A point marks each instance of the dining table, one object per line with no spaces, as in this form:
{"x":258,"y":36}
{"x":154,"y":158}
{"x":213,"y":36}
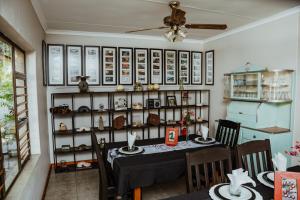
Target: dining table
{"x":137,"y":171}
{"x":266,"y":192}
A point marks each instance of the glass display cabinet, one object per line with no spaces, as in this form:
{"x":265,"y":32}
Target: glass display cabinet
{"x":273,"y":86}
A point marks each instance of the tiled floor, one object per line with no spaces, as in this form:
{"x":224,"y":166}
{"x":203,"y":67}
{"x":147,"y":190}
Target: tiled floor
{"x":83,"y":185}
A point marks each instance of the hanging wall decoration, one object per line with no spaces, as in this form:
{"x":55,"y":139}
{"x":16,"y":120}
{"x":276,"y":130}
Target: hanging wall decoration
{"x":74,"y":64}
{"x":56,"y":72}
{"x":44,"y":62}
{"x":209,"y":67}
{"x":125,"y":66}
{"x":92,"y":64}
{"x":109,"y":65}
{"x":141,"y":65}
{"x":170,"y":67}
{"x":196,"y":68}
{"x":156,"y":70}
{"x":184,"y":66}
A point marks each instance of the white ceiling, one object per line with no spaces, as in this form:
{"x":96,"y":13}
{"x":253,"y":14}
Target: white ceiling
{"x":119,"y":16}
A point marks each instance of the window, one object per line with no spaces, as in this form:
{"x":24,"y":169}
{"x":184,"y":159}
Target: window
{"x":14,"y":127}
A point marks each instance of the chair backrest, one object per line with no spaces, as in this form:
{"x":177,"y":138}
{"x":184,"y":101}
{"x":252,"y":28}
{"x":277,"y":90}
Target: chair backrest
{"x":228,"y":133}
{"x":255,"y":156}
{"x":204,"y":166}
{"x":102,"y":171}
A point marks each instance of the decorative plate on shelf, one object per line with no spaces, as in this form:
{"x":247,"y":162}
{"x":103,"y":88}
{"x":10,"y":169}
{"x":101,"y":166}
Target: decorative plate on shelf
{"x":208,"y":140}
{"x":136,"y":150}
{"x":266,"y":178}
{"x":221,"y":192}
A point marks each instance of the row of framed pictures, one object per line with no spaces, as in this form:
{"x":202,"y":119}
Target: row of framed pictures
{"x":124,"y":65}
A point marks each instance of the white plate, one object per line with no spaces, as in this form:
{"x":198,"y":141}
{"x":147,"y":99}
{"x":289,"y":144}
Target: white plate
{"x":207,"y":141}
{"x":137,"y":151}
{"x":224,"y":191}
{"x":263,"y":181}
{"x":271,"y":176}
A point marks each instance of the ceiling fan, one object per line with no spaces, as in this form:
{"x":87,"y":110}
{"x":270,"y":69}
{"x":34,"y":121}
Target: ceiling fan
{"x":176,"y":21}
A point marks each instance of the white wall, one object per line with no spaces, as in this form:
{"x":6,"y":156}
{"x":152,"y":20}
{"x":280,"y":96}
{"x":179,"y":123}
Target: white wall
{"x":274,"y":45}
{"x":20,"y":23}
{"x":81,"y":38}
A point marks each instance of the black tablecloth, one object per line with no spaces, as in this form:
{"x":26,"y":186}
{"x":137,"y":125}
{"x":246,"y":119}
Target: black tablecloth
{"x":266,"y":192}
{"x":146,"y":170}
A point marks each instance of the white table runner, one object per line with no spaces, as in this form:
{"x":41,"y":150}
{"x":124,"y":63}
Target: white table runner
{"x":157,"y":148}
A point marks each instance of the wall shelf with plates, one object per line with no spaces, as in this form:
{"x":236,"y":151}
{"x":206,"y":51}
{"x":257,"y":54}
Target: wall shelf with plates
{"x":270,"y":86}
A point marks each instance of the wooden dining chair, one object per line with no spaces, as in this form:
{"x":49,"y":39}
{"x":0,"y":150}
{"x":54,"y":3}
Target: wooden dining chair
{"x":228,"y":133}
{"x":255,"y":156}
{"x":202,"y":167}
{"x":106,"y":191}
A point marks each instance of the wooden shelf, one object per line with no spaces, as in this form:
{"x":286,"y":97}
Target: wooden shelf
{"x":197,"y":104}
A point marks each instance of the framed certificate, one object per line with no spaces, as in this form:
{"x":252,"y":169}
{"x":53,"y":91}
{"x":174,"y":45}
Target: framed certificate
{"x":44,"y":63}
{"x":56,"y":72}
{"x":74,"y":64}
{"x":170,"y":66}
{"x":92,"y":64}
{"x":209,"y":67}
{"x":109,"y":66}
{"x":184,"y":66}
{"x":141,"y":65}
{"x":156,"y":69}
{"x":196,"y":60}
{"x":125,"y":66}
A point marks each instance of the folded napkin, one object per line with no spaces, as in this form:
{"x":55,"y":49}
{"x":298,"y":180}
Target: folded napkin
{"x":280,"y":162}
{"x":237,"y":178}
{"x":204,"y":131}
{"x":131,"y":139}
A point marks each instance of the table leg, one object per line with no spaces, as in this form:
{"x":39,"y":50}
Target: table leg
{"x":137,"y":194}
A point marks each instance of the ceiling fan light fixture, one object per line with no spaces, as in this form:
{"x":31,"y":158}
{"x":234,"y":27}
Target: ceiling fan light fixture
{"x":170,"y":35}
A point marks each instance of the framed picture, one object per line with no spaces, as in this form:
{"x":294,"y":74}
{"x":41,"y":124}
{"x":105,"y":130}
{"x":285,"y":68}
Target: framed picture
{"x":209,"y":67}
{"x":196,"y":61}
{"x":109,"y":66}
{"x":171,"y":101}
{"x":141,"y":65}
{"x":287,"y":185}
{"x":156,"y":69}
{"x":92,"y":64}
{"x":171,"y":136}
{"x":170,"y":65}
{"x":44,"y":62}
{"x":184,"y":66}
{"x":125,"y":66}
{"x":56,"y":65}
{"x":74,"y":64}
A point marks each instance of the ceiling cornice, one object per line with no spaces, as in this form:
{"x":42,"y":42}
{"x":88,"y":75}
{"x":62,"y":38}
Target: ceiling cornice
{"x":40,"y":13}
{"x":272,"y":18}
{"x":114,"y":35}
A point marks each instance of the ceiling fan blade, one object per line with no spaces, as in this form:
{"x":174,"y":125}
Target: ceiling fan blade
{"x":147,"y":29}
{"x":206,"y":26}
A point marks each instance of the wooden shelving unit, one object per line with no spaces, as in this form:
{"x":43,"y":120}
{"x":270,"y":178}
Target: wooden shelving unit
{"x":198,"y":101}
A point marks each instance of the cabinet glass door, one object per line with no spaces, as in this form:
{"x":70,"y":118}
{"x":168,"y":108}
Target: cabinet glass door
{"x":245,"y":86}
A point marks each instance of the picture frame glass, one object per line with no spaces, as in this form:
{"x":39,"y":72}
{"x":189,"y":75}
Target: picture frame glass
{"x":209,"y":68}
{"x":56,"y":64}
{"x":141,"y":66}
{"x":184,"y":66}
{"x":74,"y":64}
{"x":109,"y":66}
{"x":170,"y":67}
{"x":197,"y":68}
{"x":156,"y":66}
{"x":92,"y":65}
{"x":125,"y":66}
